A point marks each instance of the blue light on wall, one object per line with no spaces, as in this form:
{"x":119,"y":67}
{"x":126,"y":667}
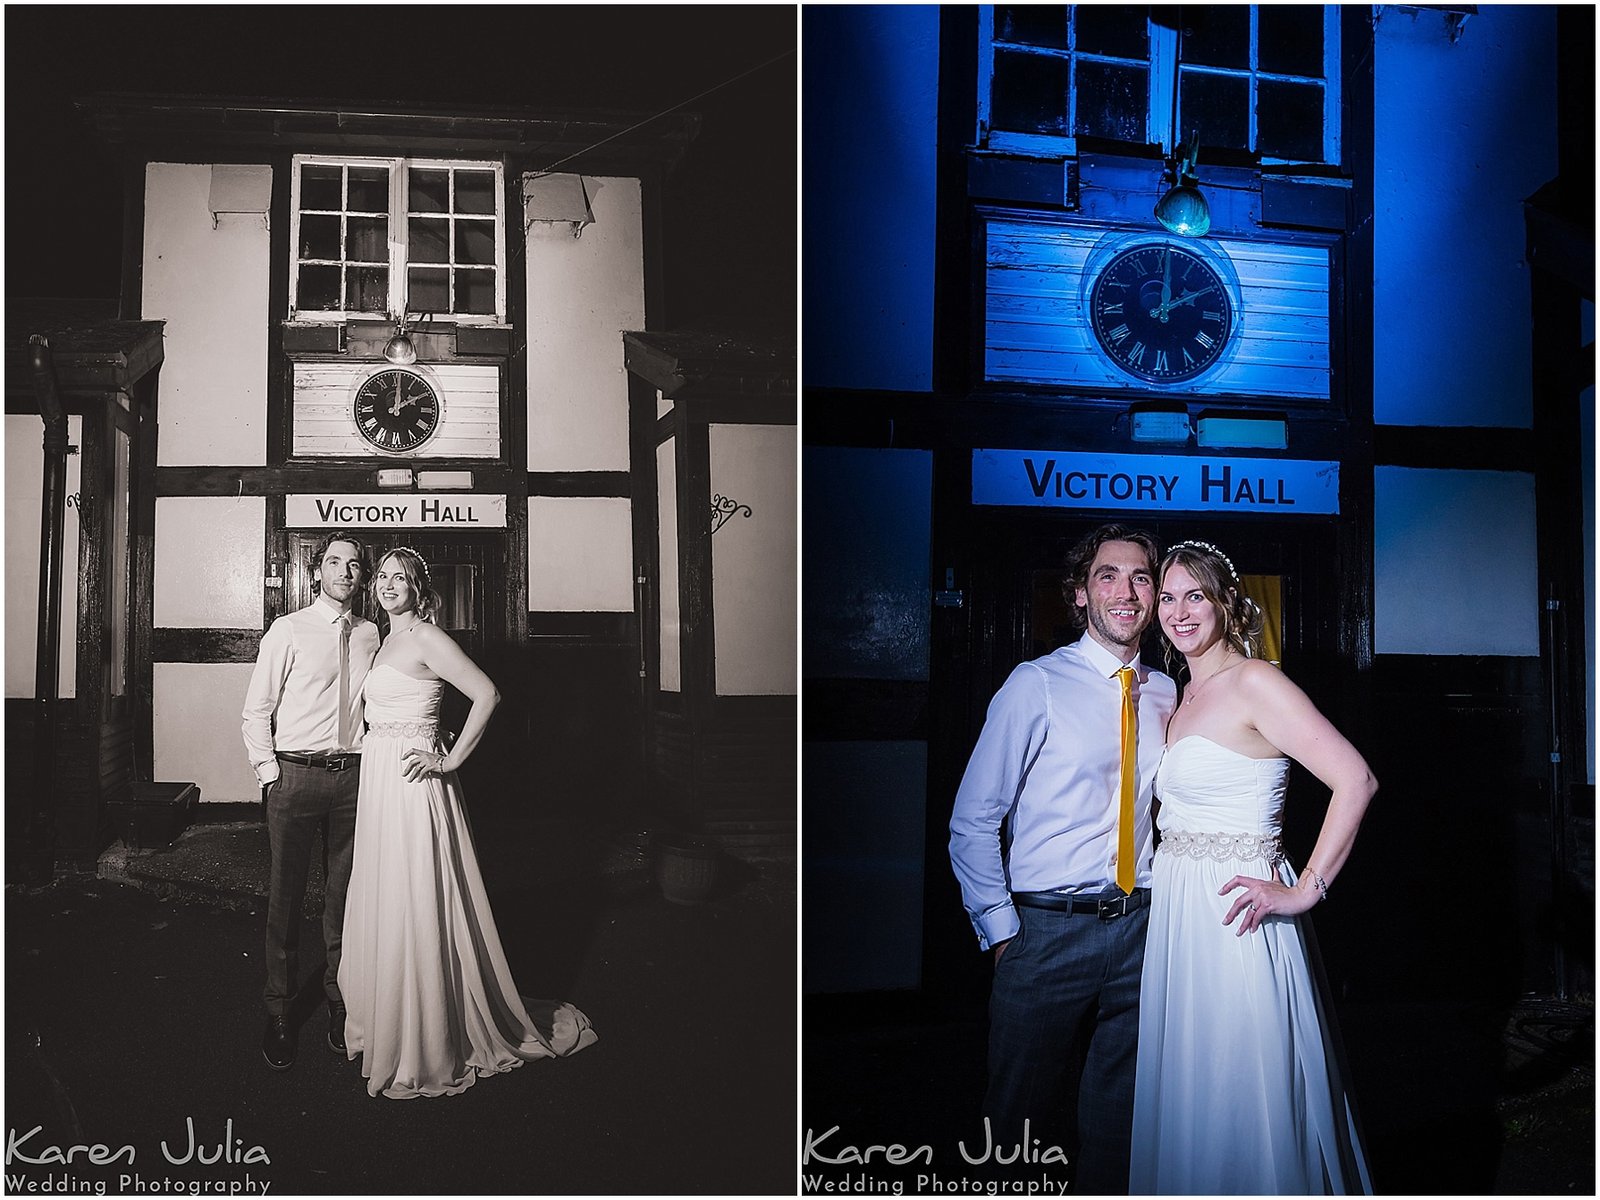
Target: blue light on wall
{"x":871,"y":101}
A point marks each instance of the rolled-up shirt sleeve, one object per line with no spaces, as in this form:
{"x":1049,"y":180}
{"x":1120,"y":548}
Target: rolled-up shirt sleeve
{"x":1013,"y":734}
{"x":261,"y":699}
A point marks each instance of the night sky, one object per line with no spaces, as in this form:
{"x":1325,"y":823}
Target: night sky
{"x":730,"y":204}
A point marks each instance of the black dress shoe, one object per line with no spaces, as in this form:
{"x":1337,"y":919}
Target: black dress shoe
{"x":277,"y":1044}
{"x":336,"y":1027}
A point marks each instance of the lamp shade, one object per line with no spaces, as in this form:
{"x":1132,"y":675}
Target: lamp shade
{"x":1183,"y":210}
{"x":399,"y":350}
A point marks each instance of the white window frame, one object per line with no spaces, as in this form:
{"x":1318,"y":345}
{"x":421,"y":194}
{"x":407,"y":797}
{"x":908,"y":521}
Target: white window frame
{"x":1163,"y":52}
{"x":399,"y":237}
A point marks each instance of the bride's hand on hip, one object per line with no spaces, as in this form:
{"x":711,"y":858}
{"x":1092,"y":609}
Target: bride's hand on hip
{"x":418,"y":765}
{"x":1263,"y":898}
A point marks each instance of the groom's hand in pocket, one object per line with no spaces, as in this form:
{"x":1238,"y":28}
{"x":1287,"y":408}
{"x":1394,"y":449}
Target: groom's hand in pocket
{"x":999,"y":950}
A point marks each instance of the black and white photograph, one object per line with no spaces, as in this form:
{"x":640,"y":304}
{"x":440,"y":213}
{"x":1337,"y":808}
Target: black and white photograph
{"x":401,"y":599}
{"x":1198,"y":599}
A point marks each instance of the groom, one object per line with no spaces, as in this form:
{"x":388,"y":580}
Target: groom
{"x":303,"y":719}
{"x":1061,"y":898}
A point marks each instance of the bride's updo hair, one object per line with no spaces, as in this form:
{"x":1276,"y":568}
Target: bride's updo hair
{"x":415,"y":568}
{"x":1242,"y":620}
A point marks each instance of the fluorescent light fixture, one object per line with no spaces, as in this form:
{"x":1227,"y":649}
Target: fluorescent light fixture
{"x":445,"y":479}
{"x":394,"y":477}
{"x":1248,"y":432}
{"x":1161,"y":427}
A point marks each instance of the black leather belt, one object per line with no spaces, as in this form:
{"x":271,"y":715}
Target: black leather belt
{"x":1104,"y":907}
{"x":323,"y":762}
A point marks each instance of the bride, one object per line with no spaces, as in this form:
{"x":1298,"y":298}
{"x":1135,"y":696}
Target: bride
{"x":431,"y":1002}
{"x":1237,"y":1087}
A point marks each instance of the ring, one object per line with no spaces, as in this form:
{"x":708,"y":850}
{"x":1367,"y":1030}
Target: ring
{"x":1253,"y":907}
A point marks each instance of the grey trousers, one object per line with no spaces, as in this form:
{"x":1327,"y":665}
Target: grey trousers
{"x":303,"y":800}
{"x":1064,"y":1010}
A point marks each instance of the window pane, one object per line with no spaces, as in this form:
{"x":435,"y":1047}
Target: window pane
{"x":430,"y":239}
{"x":1217,"y":36}
{"x":319,"y":289}
{"x":368,"y":239}
{"x":369,"y":189}
{"x":1030,"y":93}
{"x":1032,"y":25}
{"x":1112,"y":100}
{"x":1120,"y":30}
{"x":1217,"y":108}
{"x":474,"y":291}
{"x":1289,"y":120}
{"x":1291,"y":39}
{"x":369,"y":289}
{"x":430,"y":290}
{"x":475,"y":243}
{"x":319,"y":187}
{"x":319,"y":237}
{"x":430,"y":190}
{"x":475,"y":192}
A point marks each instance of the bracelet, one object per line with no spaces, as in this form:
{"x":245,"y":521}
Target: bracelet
{"x":1321,"y":884}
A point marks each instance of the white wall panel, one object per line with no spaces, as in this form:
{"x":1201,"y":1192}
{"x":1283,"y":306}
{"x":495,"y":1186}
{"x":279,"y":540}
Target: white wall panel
{"x":24,"y":500}
{"x":209,"y":562}
{"x":197,"y":711}
{"x":583,"y":293}
{"x":1455,"y":562}
{"x":580,"y":554}
{"x":671,"y":643}
{"x":209,"y":283}
{"x":754,"y":560}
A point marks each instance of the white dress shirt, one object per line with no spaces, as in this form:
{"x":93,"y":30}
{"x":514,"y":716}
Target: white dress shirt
{"x":296,"y":680}
{"x":1050,"y":759}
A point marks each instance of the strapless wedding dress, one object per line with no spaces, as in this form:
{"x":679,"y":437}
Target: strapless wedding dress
{"x":431,"y":1002}
{"x":1237,"y":1089}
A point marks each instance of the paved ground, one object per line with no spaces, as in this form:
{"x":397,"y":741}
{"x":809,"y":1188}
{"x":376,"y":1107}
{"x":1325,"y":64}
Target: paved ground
{"x":1454,"y":1098}
{"x":131,"y":1015}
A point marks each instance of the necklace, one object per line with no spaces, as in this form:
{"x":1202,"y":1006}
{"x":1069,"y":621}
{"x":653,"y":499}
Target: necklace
{"x":1195,"y":686}
{"x":395,"y":632}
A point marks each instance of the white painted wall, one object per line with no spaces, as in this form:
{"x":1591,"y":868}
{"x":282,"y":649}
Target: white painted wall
{"x":209,"y":562}
{"x":583,"y":293}
{"x":754,"y":561}
{"x":24,"y":500}
{"x":210,"y":286}
{"x":197,"y":709}
{"x":580,"y":554}
{"x":671,"y":662}
{"x":1455,"y":562}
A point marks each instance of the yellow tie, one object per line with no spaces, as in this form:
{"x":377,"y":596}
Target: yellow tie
{"x":1130,"y":778}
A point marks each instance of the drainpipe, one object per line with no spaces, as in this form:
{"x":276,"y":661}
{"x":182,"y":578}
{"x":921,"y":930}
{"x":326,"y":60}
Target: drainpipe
{"x":51,"y":535}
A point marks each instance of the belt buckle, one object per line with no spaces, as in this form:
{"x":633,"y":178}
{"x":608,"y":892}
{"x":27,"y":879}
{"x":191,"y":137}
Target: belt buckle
{"x":339,"y":763}
{"x":1106,"y":911}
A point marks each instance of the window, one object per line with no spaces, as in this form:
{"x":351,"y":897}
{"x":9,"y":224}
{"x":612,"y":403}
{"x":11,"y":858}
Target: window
{"x":379,"y":237}
{"x":1261,"y":79}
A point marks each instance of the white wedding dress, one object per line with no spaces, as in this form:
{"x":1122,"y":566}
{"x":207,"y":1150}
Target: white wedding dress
{"x":1237,"y":1089}
{"x":431,"y":1004}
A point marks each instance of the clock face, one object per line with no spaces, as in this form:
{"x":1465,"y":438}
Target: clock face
{"x":397,"y":410}
{"x":1161,"y":313}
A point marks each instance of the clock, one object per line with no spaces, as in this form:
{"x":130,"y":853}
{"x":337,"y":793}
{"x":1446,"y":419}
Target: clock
{"x":1161,"y":313}
{"x":396,"y":410}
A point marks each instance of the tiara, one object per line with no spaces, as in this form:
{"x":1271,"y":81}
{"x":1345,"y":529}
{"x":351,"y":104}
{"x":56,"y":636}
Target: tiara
{"x":427,"y":575}
{"x":1207,"y":547}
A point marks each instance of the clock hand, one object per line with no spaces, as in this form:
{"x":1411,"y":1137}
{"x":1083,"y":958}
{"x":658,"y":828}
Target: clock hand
{"x":394,"y":409}
{"x":1166,"y":281}
{"x":1187,"y":298}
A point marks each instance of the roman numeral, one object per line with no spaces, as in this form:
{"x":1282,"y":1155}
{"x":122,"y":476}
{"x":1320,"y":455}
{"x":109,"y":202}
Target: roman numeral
{"x":1161,"y":360}
{"x":1204,"y":339}
{"x":370,"y":422}
{"x":1187,"y":361}
{"x":1136,"y":355}
{"x":1107,"y":309}
{"x":1119,"y":335}
{"x":1208,"y":315}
